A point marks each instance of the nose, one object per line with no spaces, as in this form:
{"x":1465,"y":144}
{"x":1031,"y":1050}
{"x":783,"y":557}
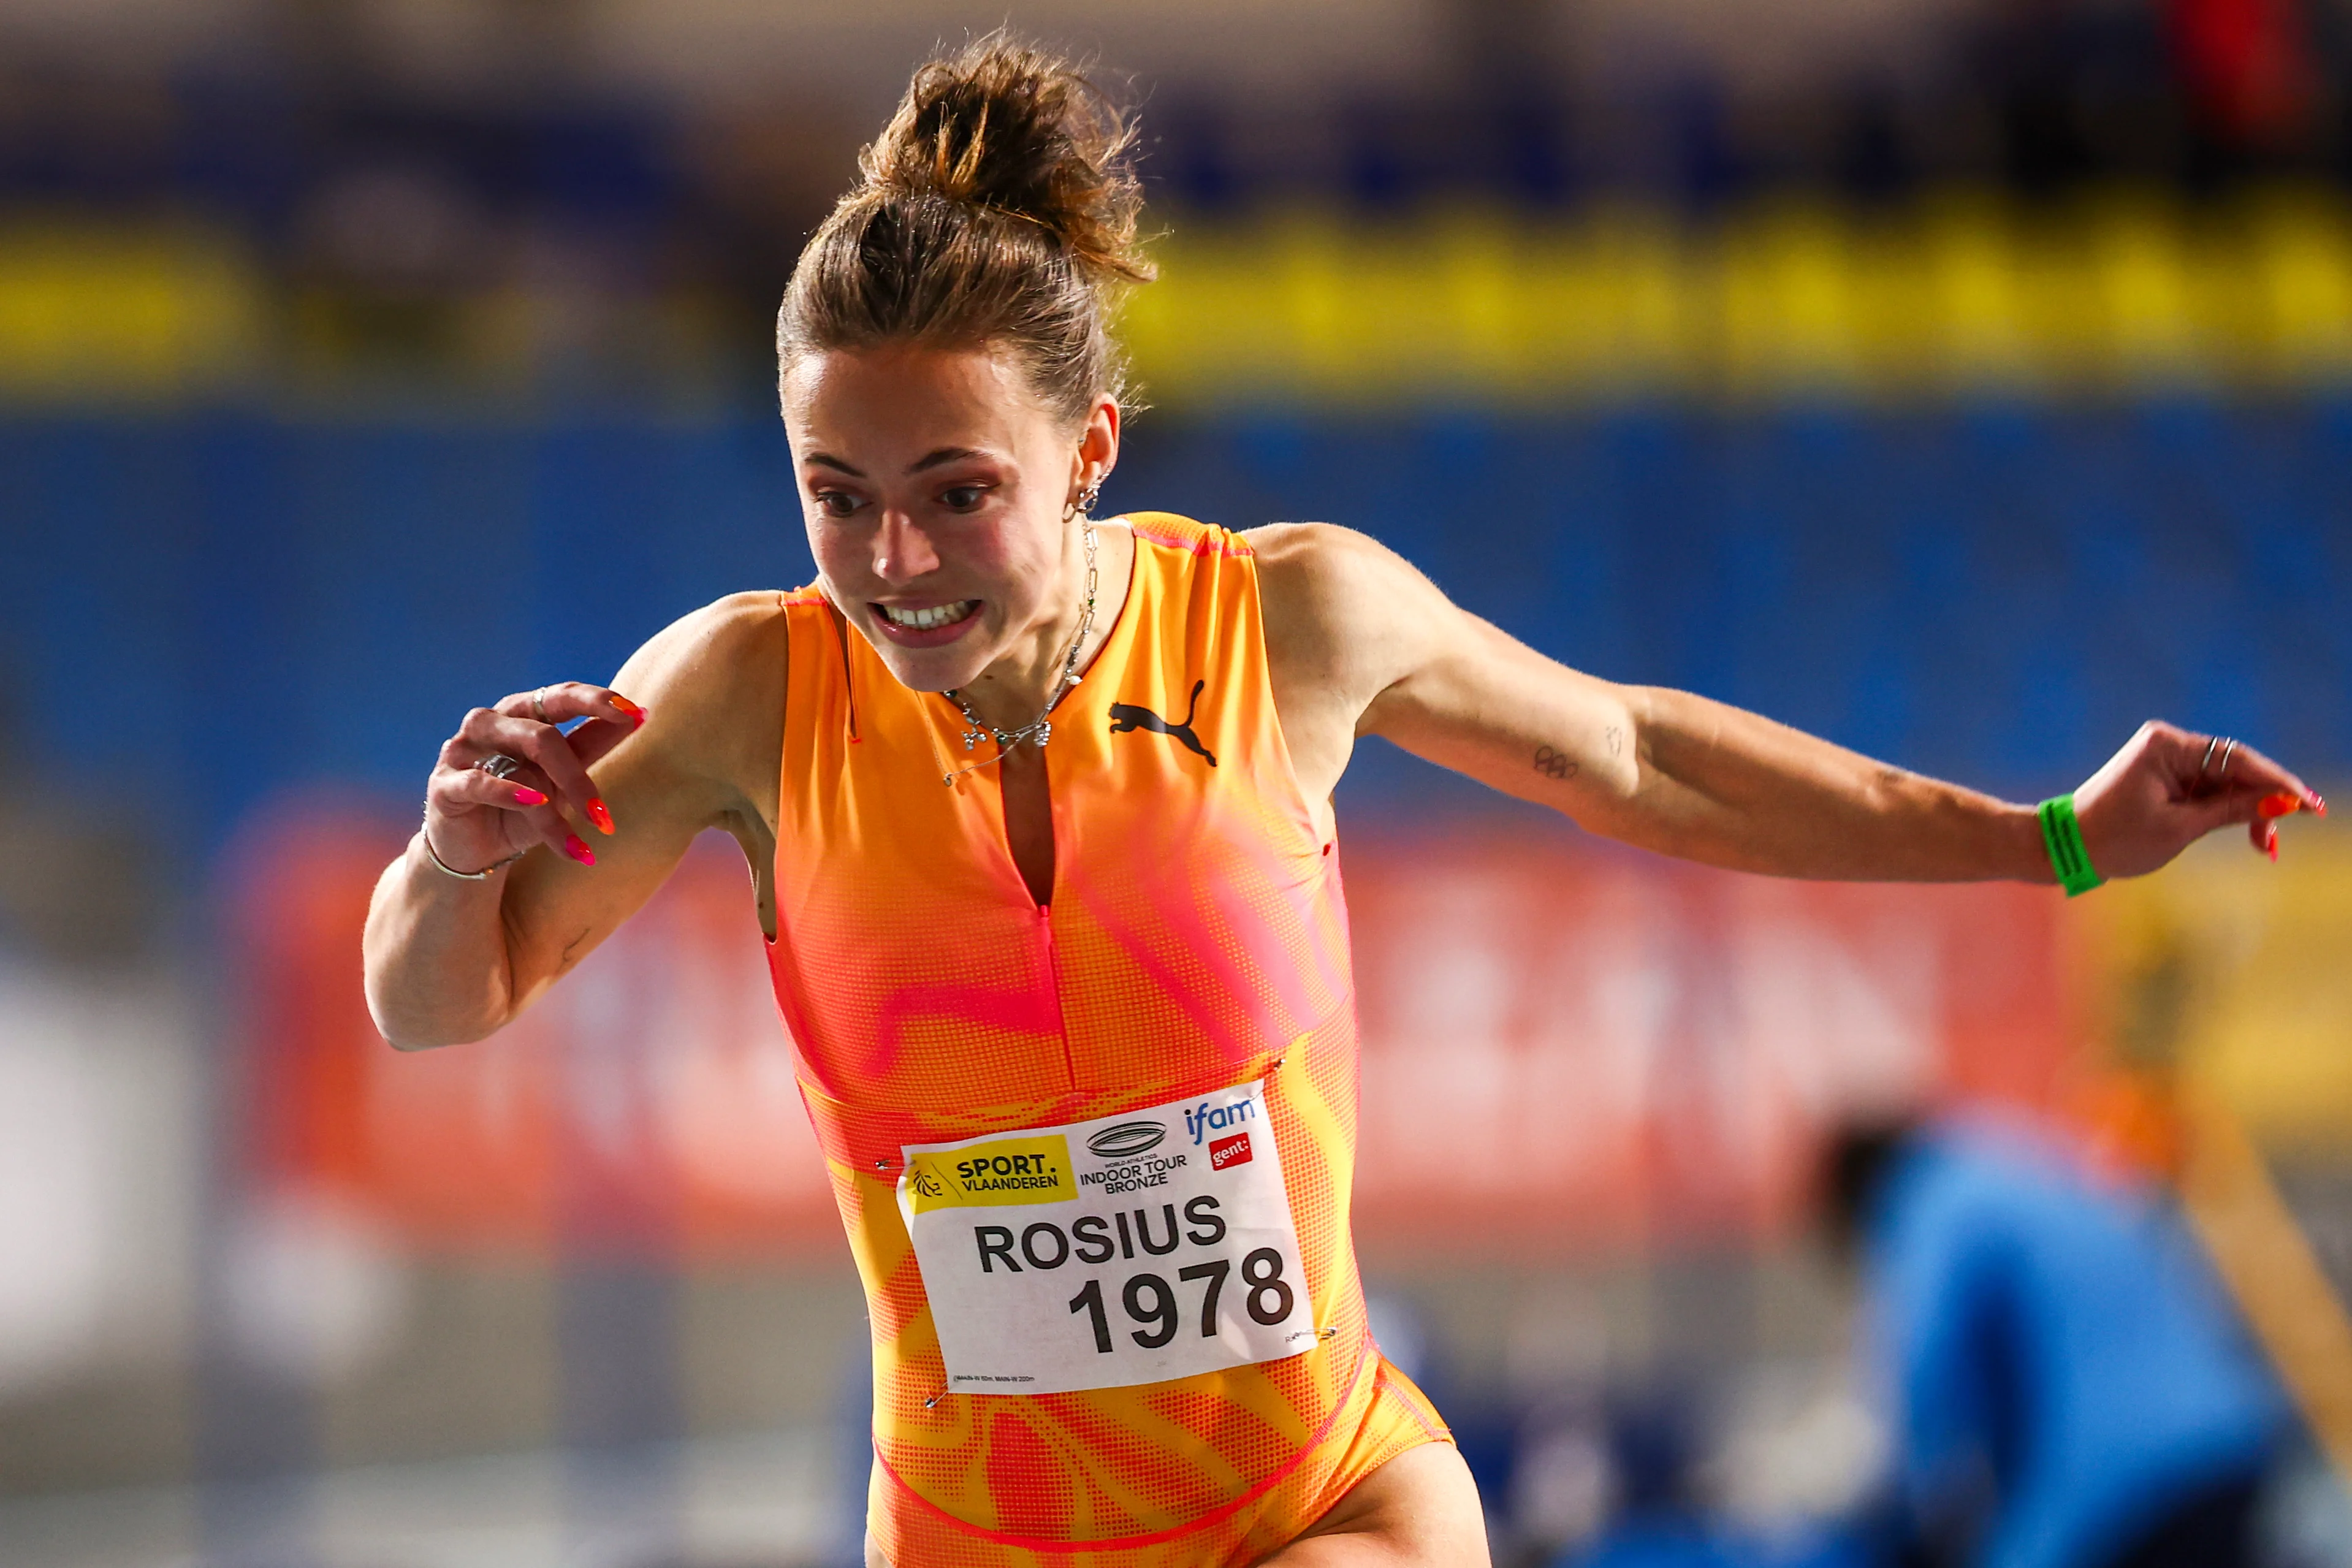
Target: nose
{"x":902,"y":552}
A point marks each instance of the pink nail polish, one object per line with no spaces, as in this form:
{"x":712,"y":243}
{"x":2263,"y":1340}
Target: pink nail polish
{"x":598,"y":814}
{"x":528,"y":796}
{"x":2271,"y":845}
{"x":631,"y":708}
{"x":577,"y":847}
{"x":2318,"y":805}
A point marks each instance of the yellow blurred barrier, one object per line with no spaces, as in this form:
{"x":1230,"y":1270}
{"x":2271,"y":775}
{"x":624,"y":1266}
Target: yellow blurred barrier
{"x":2229,"y":983}
{"x":2263,"y":1258}
{"x":2231,"y":972}
{"x":134,"y":310}
{"x":1962,"y":293}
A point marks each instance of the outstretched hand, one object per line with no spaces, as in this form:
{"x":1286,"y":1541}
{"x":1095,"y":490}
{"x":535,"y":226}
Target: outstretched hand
{"x":2169,"y":787}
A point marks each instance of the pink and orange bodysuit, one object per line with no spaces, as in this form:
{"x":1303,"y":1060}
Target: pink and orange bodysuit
{"x":1093,"y":1156}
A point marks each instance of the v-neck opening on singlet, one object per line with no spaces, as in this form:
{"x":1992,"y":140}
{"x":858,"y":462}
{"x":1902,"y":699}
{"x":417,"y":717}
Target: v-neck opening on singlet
{"x":1121,"y":630}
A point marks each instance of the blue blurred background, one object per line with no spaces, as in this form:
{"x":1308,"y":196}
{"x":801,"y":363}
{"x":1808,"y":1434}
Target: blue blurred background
{"x":1963,"y":380}
{"x":1995,"y":592}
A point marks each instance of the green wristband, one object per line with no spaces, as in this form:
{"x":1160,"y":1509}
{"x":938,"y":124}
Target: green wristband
{"x":2062,"y":837}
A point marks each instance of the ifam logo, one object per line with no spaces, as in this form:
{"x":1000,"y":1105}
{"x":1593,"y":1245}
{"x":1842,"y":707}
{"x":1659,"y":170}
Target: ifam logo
{"x":1205,"y":1118}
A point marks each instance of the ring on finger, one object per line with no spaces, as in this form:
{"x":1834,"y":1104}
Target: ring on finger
{"x":2202,"y":766}
{"x":538,"y":703}
{"x":2227,"y":748}
{"x":499,"y":765}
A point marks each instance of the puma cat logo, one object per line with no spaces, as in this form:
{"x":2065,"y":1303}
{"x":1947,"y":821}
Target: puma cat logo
{"x":1126,"y":715}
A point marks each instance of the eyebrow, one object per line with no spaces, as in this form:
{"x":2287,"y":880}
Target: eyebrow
{"x":928,"y":460}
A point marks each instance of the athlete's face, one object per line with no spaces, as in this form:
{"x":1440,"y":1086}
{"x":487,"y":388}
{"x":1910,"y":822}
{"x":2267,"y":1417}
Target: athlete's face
{"x":937,"y":488}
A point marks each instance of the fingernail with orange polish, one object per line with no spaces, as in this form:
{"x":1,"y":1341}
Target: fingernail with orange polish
{"x":2318,"y":805}
{"x":528,"y":796}
{"x":2271,"y":844}
{"x":600,"y":816}
{"x":2283,"y":803}
{"x":577,"y":847}
{"x":631,"y":708}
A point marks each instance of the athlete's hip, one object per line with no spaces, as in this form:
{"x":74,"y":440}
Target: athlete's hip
{"x":1379,"y":1416}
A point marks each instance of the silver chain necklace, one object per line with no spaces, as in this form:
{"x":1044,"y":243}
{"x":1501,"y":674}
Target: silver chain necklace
{"x":1041,"y":728}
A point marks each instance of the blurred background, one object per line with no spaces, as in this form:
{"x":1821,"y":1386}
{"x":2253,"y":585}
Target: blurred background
{"x":1964,"y":380}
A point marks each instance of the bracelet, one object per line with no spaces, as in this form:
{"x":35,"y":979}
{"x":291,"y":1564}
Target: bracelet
{"x":2062,"y":836}
{"x":481,"y":876}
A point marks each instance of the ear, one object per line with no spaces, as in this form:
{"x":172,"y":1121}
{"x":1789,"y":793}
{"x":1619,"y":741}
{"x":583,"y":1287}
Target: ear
{"x":1098,"y":443}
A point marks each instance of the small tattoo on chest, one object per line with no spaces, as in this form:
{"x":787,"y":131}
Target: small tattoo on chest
{"x":1616,"y":739}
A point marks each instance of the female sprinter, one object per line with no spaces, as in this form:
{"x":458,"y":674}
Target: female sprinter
{"x":1038,"y":807}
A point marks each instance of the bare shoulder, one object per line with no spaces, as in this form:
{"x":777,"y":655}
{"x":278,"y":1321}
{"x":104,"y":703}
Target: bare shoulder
{"x":1316,"y":557}
{"x":1343,"y":609}
{"x":712,"y":683}
{"x":733,"y":638}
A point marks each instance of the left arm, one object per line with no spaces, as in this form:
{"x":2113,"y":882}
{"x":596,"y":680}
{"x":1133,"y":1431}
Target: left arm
{"x":1362,"y":644}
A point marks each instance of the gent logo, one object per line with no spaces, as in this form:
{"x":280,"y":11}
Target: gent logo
{"x":1229,"y":1152}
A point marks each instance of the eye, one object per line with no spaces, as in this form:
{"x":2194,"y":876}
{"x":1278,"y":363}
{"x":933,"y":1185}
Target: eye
{"x":836,"y":503}
{"x":962,"y":497}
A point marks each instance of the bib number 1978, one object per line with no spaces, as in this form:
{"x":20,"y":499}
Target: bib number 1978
{"x":1153,"y":1244}
{"x":1149,"y":1300}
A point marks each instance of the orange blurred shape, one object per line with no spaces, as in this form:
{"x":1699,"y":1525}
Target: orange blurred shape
{"x":1563,"y":1049}
{"x":646,"y":1104}
{"x":2129,"y":1123}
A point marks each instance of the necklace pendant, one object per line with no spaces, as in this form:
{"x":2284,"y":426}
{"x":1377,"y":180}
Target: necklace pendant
{"x":1044,"y":733}
{"x":970,"y":739}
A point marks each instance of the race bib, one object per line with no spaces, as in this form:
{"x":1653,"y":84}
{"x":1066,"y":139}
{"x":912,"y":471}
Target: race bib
{"x":1151,"y":1245}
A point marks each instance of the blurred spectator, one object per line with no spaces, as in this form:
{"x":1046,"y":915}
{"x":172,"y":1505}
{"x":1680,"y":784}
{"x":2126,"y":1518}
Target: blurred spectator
{"x":2073,"y":91}
{"x":2068,"y":1390}
{"x":2246,"y":67}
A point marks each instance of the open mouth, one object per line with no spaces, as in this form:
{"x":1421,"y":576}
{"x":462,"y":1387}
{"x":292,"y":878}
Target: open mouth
{"x":926,"y":624}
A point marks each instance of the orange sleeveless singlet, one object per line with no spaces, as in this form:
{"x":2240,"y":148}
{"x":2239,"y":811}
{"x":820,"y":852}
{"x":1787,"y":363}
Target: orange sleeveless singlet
{"x":1196,"y":940}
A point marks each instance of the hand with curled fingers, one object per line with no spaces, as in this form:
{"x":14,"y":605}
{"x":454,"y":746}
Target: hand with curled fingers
{"x":2169,"y":787}
{"x":512,"y":777}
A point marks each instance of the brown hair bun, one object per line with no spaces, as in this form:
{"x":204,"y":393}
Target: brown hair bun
{"x":1011,"y":128}
{"x":999,"y":205}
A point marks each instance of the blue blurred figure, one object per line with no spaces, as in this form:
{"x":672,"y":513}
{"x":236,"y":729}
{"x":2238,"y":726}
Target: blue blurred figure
{"x":2067,"y":1388}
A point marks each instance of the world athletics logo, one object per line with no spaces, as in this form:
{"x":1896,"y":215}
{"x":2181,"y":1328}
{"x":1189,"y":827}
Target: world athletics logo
{"x":1127,"y":1139}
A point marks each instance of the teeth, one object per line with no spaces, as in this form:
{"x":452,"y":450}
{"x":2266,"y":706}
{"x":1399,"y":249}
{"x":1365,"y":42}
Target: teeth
{"x":924,"y":620}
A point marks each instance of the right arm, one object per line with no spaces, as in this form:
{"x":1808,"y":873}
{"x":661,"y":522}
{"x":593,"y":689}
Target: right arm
{"x":449,"y":959}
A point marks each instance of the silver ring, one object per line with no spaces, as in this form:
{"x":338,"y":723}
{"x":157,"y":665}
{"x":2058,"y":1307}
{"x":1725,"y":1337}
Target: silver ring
{"x":538,"y":703}
{"x":2227,"y":748}
{"x":499,"y":765}
{"x":2206,"y":761}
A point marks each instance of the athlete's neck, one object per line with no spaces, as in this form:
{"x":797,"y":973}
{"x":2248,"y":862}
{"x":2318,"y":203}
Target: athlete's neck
{"x":1015,"y":688}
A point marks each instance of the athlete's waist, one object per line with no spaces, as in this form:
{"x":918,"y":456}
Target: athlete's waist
{"x":870,"y":1130}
